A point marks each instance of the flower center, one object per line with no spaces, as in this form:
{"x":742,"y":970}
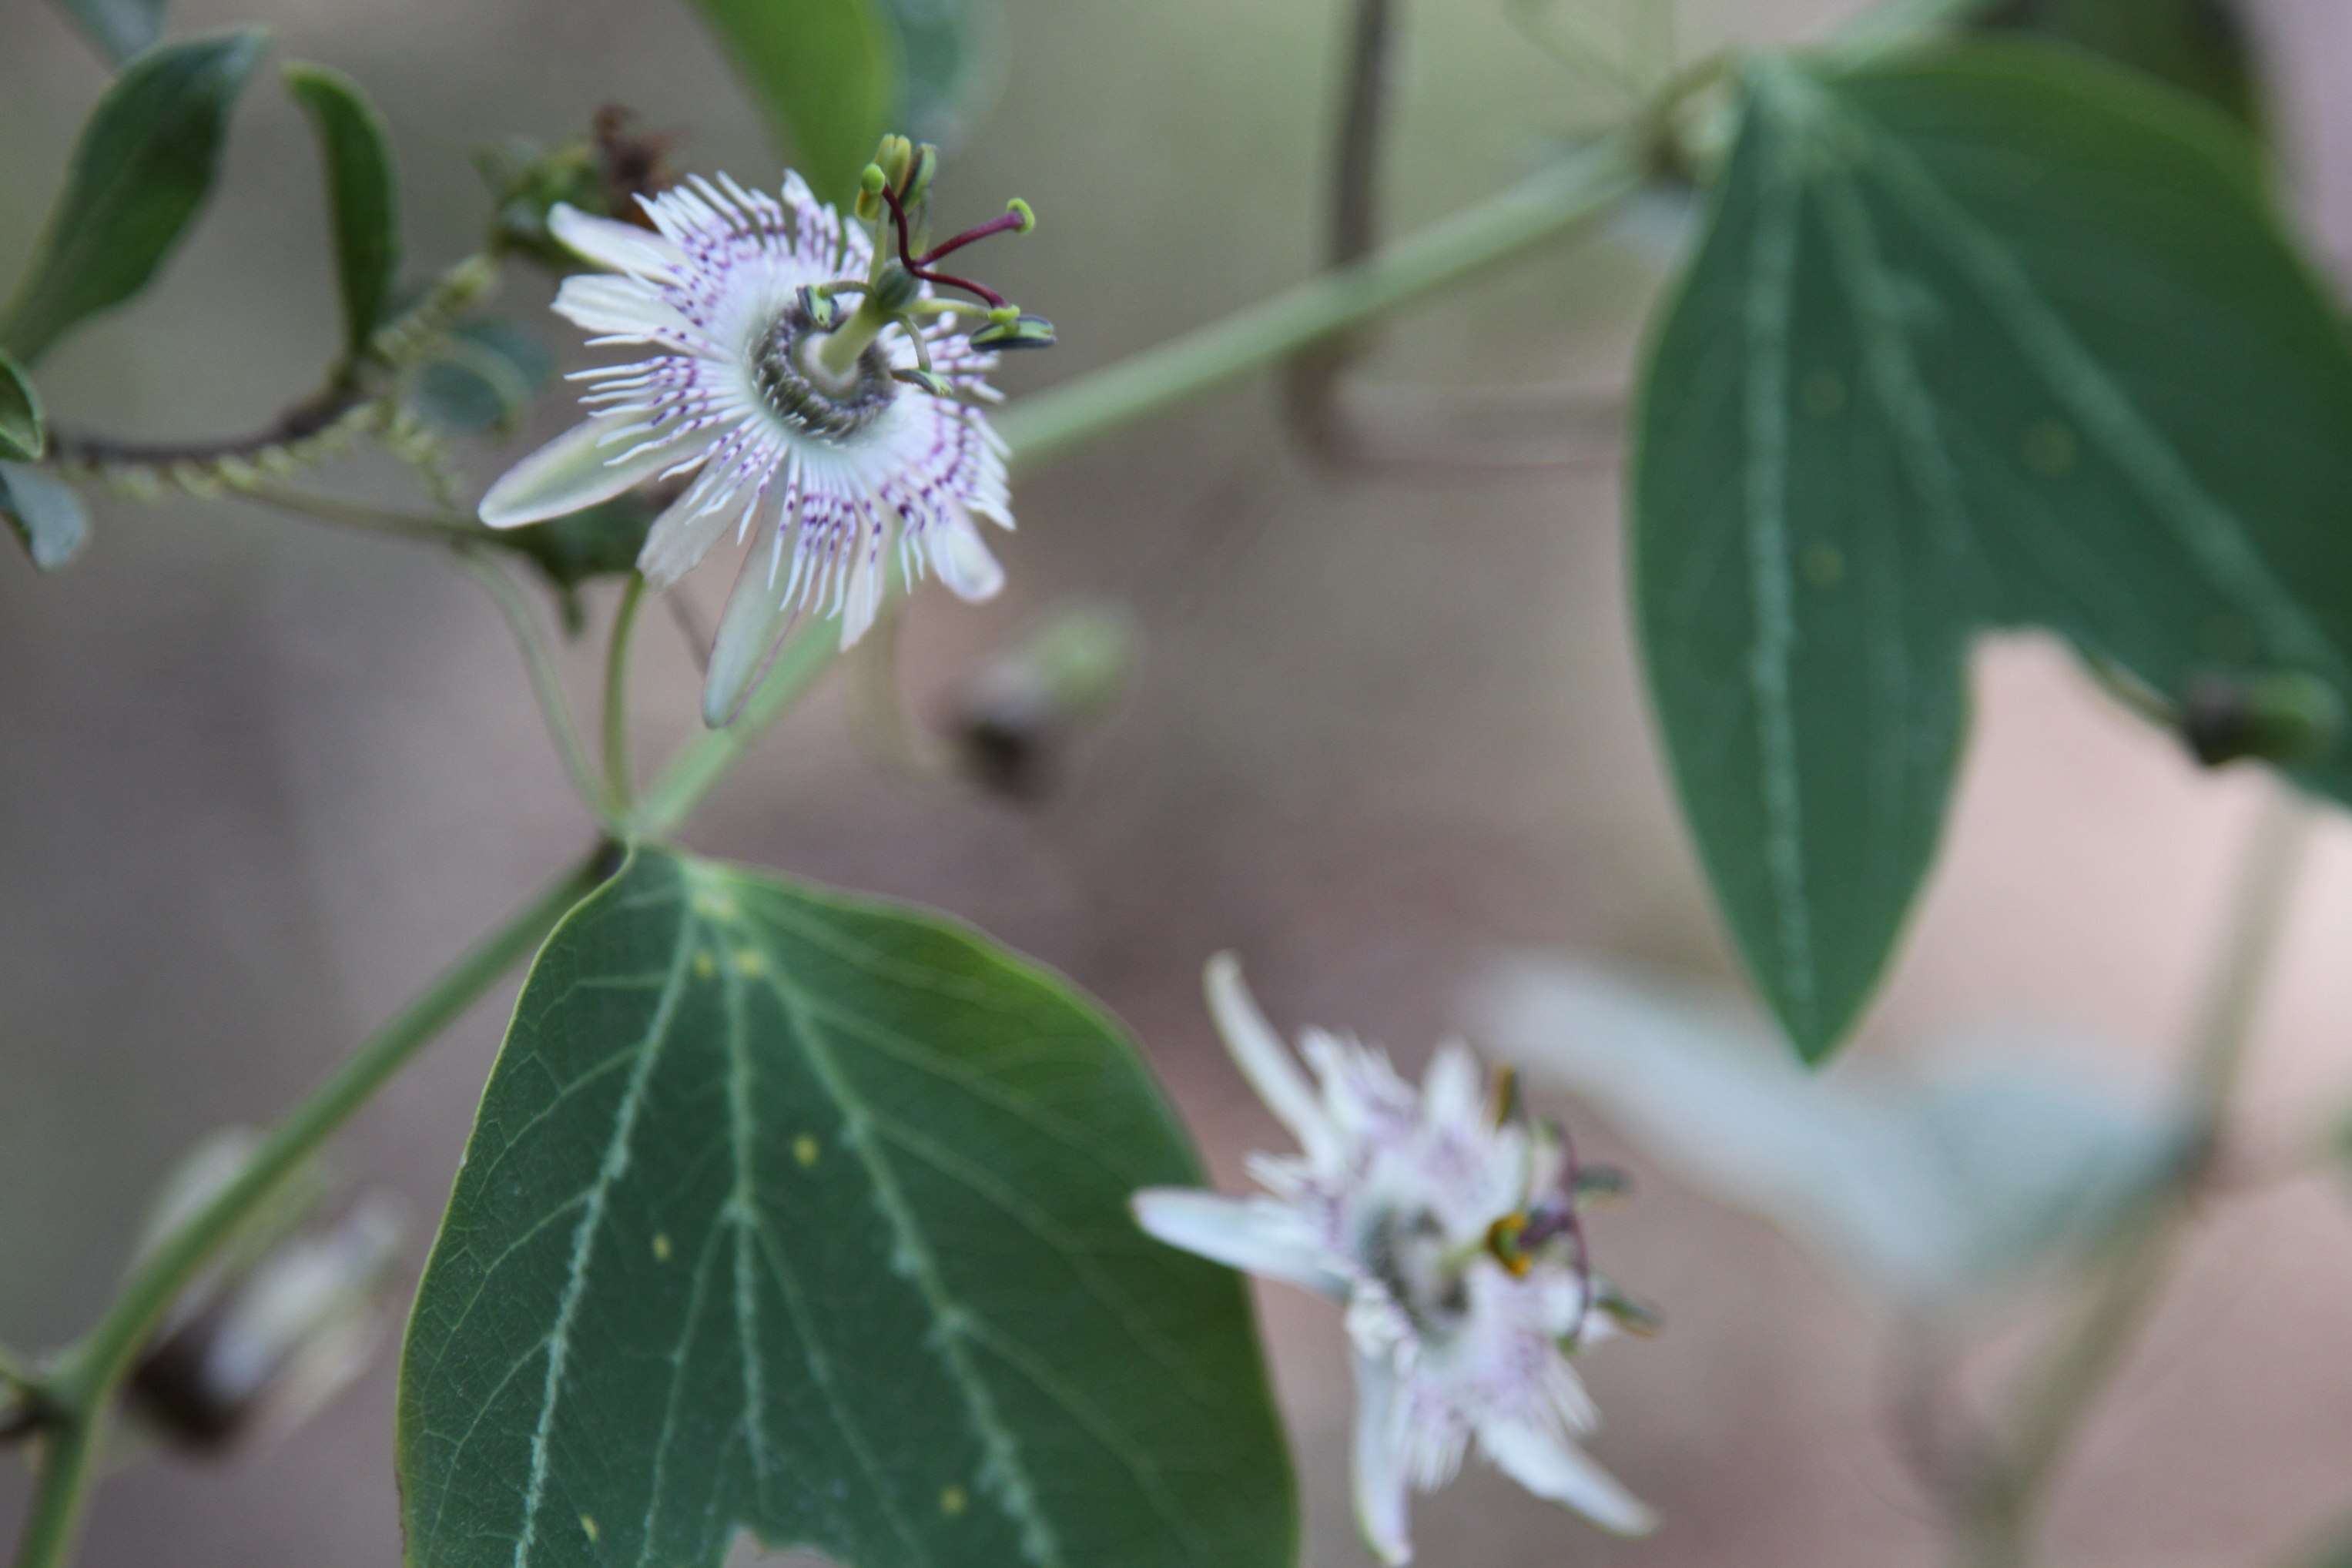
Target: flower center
{"x":797,"y":389}
{"x":1409,"y":1252}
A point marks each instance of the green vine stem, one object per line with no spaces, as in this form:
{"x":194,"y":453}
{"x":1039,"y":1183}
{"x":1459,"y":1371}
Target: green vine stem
{"x":619,"y":790}
{"x":1574,"y":191}
{"x":83,"y":1384}
{"x":2080,"y":1368}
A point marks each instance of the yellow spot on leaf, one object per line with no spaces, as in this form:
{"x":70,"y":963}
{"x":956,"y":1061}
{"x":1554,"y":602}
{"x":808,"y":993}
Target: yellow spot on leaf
{"x":805,"y":1149}
{"x":749,"y":962}
{"x":953,"y":1501}
{"x":713,"y":905}
{"x":588,"y":1528}
{"x":705,"y":966}
{"x":2051,"y":450}
{"x":661,"y":1246}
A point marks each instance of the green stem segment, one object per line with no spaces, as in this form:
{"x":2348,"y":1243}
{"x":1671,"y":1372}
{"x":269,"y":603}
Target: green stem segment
{"x":85,"y":1381}
{"x":2088,"y":1358}
{"x":1536,"y":209}
{"x":837,"y":351}
{"x":619,"y":790}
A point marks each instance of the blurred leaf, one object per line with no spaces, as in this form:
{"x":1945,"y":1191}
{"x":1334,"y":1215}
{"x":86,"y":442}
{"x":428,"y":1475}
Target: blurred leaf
{"x":141,"y":169}
{"x":361,"y":194}
{"x":944,"y":48}
{"x":483,"y":377}
{"x":22,"y":432}
{"x":2197,"y":46}
{"x":823,"y":73}
{"x":45,"y":513}
{"x":119,"y":28}
{"x":806,"y":1215}
{"x":1999,"y":337}
{"x":602,"y":541}
{"x":1933,"y":1190}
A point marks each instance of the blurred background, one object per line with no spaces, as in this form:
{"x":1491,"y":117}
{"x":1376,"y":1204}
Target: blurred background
{"x":260,"y":780}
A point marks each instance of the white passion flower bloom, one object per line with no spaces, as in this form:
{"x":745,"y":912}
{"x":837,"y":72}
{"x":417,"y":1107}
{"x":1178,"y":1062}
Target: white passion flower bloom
{"x":829,"y":438}
{"x":1444,"y":1222}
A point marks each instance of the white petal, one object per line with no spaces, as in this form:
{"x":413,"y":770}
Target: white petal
{"x":622,"y":307}
{"x":867,"y":578}
{"x":1548,"y":1465}
{"x":589,"y":463}
{"x":964,"y":560}
{"x":683,"y":533}
{"x":1381,"y":1460}
{"x":1264,"y":1060}
{"x":1255,"y":1238}
{"x":623,"y":247}
{"x":1453,"y":1092}
{"x":757,"y":613}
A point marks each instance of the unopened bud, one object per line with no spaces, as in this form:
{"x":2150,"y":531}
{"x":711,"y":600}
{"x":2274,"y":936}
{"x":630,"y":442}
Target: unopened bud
{"x":1016,"y":719}
{"x":1025,"y":330}
{"x":275,"y":1347}
{"x":2287,"y":718}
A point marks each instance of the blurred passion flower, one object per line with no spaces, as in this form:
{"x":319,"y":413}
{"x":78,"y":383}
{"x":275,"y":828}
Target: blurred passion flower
{"x":1446,"y":1220}
{"x":838,"y":433}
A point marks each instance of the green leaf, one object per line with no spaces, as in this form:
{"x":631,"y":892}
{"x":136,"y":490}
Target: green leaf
{"x":361,"y":194}
{"x":142,"y":167}
{"x":944,"y":50}
{"x":807,"y":1215}
{"x":483,"y":376}
{"x":2197,"y":46}
{"x":1996,"y":337}
{"x":46,"y":514}
{"x":119,"y":28}
{"x":823,"y":73}
{"x":22,"y":433}
{"x":1937,"y":1189}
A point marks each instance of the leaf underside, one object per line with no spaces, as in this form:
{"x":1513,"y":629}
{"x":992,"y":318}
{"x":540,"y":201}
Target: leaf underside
{"x":808,"y":1217}
{"x":1996,"y":338}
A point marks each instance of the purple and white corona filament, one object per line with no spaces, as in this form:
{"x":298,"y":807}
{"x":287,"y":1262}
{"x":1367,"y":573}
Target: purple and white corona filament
{"x":1445,"y":1221}
{"x":828,"y":439}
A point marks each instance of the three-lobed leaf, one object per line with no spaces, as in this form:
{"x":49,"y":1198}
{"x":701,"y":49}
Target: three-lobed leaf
{"x":822,"y":72}
{"x":806,"y":1215}
{"x":23,"y":434}
{"x":141,"y":169}
{"x":1999,"y":337}
{"x":362,"y":197}
{"x":43,"y":511}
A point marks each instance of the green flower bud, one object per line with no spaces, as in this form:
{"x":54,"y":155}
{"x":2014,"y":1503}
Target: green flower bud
{"x":1016,"y":718}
